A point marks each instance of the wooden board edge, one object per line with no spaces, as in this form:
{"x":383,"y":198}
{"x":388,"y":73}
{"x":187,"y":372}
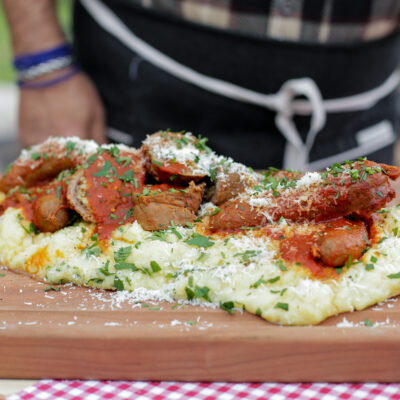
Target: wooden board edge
{"x":199,"y":360}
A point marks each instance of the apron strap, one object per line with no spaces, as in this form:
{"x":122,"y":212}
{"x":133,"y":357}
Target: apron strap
{"x":283,"y":102}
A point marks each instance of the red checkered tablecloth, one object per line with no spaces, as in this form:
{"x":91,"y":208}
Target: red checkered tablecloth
{"x":96,"y":390}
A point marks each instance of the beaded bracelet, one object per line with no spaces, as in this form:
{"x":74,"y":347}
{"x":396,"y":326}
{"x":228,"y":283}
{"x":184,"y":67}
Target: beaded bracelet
{"x":36,"y":65}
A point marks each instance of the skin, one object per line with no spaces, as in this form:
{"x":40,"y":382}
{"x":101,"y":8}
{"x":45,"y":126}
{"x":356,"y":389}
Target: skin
{"x":70,"y":108}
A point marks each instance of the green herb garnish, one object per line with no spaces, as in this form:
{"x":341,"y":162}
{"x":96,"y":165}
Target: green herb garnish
{"x":200,"y":240}
{"x":122,"y":253}
{"x":155,"y":267}
{"x":283,"y":306}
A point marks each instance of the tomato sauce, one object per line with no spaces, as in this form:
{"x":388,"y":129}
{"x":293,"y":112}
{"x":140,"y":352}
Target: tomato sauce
{"x":297,"y":249}
{"x":111,"y":181}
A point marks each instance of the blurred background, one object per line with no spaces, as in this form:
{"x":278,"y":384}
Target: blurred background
{"x":9,"y":148}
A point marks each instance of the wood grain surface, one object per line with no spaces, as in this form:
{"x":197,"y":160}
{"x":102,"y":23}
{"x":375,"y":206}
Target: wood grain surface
{"x":89,"y":334}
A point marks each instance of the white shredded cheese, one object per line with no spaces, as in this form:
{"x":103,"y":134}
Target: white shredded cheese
{"x":308,"y":179}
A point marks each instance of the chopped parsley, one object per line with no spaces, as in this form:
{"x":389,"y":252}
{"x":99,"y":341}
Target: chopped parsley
{"x":118,"y":284}
{"x":58,"y":192}
{"x":158,"y":235}
{"x":198,"y":292}
{"x":282,"y":306}
{"x":104,"y":170}
{"x":126,"y":265}
{"x":122,"y":253}
{"x":248,"y":254}
{"x":33,"y":228}
{"x":7,"y":169}
{"x":228,"y":306}
{"x":281,"y":266}
{"x":200,"y":240}
{"x":212,"y":173}
{"x":367,"y":322}
{"x":92,"y":250}
{"x":70,"y":146}
{"x":201,"y":256}
{"x":255,"y":285}
{"x":51,"y":288}
{"x":105,"y":270}
{"x":273,"y":280}
{"x":127,"y":177}
{"x":349,"y":261}
{"x":173,"y":229}
{"x":394,"y":276}
{"x":91,"y":159}
{"x":155,"y":267}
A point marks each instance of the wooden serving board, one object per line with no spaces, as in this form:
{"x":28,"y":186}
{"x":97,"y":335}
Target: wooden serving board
{"x":78,"y":333}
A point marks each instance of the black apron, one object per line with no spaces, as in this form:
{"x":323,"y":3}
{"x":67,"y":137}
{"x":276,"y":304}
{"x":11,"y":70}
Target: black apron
{"x":140,"y":98}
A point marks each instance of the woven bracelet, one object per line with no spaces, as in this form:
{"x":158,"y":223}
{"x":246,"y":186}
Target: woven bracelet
{"x":35,"y":65}
{"x":50,"y":82}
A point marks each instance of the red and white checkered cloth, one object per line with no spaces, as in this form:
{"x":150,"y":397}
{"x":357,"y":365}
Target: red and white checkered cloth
{"x":96,"y":390}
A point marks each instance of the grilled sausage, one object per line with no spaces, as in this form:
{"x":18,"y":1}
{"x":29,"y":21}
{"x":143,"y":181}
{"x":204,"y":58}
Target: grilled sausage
{"x":336,"y":245}
{"x":338,"y":195}
{"x":155,"y":212}
{"x":50,"y":213}
{"x":43,"y":163}
{"x":170,"y":171}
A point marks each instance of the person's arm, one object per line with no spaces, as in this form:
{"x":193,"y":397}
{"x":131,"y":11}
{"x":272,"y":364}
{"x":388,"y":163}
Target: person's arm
{"x":69,"y":108}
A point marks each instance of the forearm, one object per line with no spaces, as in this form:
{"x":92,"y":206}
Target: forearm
{"x":33,"y":25}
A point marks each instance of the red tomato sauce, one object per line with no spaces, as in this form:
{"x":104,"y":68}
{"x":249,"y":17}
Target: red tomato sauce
{"x":297,"y":249}
{"x":111,"y":181}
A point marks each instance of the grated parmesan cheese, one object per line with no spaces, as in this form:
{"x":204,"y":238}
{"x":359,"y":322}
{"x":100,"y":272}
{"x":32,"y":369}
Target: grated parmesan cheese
{"x":308,"y":179}
{"x":81,"y":146}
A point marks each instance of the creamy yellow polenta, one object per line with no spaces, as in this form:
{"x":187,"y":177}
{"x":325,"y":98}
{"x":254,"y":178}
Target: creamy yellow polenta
{"x":242,"y":270}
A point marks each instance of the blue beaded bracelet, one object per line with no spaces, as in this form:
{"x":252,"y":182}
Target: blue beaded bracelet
{"x":30,"y":60}
{"x":37,"y":65}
